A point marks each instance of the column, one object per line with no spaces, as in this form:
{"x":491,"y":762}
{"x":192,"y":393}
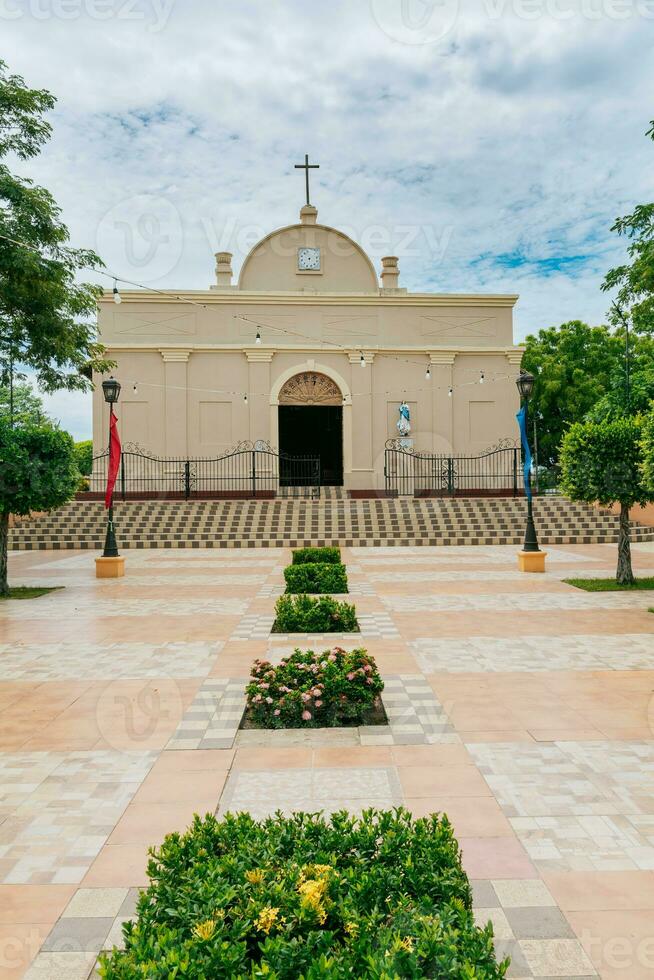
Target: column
{"x":175,"y":402}
{"x":442,"y":373}
{"x":259,"y":393}
{"x":362,"y":447}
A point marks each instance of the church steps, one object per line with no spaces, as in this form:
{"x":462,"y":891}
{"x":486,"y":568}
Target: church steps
{"x":334,"y":520}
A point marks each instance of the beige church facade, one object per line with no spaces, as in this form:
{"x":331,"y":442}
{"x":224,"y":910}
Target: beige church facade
{"x":310,"y":352}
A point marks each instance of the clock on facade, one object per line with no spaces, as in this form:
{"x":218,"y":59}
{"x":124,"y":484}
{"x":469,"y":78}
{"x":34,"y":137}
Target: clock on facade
{"x":308,"y":259}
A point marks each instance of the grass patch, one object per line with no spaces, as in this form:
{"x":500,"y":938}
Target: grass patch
{"x":380,"y":896}
{"x":315,"y":690}
{"x":609,"y":584}
{"x":30,"y":591}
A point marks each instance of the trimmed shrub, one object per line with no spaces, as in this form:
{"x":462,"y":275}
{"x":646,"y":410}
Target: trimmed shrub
{"x":303,"y":614}
{"x":314,"y":690}
{"x":314,"y":556}
{"x":316,"y":577}
{"x":378,"y":896}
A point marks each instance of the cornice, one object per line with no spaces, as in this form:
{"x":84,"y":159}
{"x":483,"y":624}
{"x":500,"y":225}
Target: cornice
{"x":206,"y":298}
{"x":439,"y":355}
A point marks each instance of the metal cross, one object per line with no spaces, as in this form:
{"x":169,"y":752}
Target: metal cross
{"x":306,"y":166}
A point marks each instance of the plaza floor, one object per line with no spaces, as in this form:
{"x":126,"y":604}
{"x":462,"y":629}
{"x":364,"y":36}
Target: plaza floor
{"x":517,"y":704}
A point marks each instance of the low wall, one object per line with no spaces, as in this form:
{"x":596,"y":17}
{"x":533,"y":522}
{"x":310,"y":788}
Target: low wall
{"x":644,"y":515}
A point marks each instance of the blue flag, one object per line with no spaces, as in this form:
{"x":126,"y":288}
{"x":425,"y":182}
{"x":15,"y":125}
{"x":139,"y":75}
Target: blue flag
{"x":522,"y":422}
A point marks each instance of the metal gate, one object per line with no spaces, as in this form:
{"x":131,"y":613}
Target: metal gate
{"x":248,"y":470}
{"x":495,"y":473}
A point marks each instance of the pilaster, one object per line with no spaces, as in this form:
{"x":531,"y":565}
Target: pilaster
{"x":442,"y":370}
{"x":175,"y":401}
{"x":259,"y":362}
{"x":362,"y":446}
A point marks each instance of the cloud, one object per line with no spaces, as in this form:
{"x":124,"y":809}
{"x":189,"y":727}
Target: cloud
{"x":495,"y":145}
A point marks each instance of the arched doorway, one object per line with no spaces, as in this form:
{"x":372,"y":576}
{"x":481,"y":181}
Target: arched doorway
{"x":311,"y":422}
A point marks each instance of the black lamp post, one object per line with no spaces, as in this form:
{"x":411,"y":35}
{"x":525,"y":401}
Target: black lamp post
{"x":525,"y":384}
{"x":111,"y":392}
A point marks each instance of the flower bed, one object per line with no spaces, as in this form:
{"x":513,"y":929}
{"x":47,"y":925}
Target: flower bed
{"x":315,"y":690}
{"x":316,"y":577}
{"x":323,"y":556}
{"x":382,"y":896}
{"x":303,"y":614}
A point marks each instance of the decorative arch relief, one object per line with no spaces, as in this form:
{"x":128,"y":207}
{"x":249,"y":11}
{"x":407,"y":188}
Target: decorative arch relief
{"x":310,"y":388}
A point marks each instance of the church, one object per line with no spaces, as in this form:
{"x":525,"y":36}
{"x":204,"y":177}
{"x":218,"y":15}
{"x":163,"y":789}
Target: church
{"x":314,"y":352}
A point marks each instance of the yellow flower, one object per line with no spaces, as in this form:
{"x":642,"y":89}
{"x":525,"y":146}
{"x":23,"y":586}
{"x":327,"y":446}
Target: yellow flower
{"x":351,"y":928}
{"x":407,"y":944}
{"x":322,"y":869}
{"x":254,"y":877}
{"x":312,"y":896}
{"x":266,"y":919}
{"x":205,"y":930}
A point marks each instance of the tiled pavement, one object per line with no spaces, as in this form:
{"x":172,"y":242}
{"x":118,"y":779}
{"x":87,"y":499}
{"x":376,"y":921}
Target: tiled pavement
{"x":516,"y":704}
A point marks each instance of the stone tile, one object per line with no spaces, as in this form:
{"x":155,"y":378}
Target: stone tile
{"x":501,"y":926}
{"x":523,"y":893}
{"x":556,"y":957}
{"x":90,"y":902}
{"x":538,"y":923}
{"x":61,"y":966}
{"x":72,"y":935}
{"x":483,"y":894}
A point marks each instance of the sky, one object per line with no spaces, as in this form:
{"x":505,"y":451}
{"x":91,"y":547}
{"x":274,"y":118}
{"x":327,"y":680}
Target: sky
{"x":490,"y":144}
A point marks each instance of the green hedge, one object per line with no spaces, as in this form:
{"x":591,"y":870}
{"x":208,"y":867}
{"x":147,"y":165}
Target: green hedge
{"x":314,"y":556}
{"x":314,"y":690}
{"x":381,"y":896}
{"x":316,"y":577}
{"x":303,"y":614}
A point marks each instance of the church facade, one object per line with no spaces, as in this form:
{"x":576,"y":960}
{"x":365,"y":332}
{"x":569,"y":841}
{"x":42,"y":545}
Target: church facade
{"x":310,"y":352}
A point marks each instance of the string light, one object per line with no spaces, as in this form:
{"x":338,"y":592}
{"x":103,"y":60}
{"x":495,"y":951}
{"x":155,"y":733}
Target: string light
{"x":449,"y":394}
{"x":428,"y":373}
{"x":481,"y":377}
{"x":245,"y":398}
{"x":135,"y":389}
{"x":117,"y":296}
{"x":257,"y":339}
{"x":362,"y":361}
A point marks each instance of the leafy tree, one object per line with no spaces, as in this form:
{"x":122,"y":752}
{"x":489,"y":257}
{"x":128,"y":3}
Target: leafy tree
{"x":46,"y":317}
{"x":602,"y":462}
{"x":38,"y":471}
{"x":573,"y":365}
{"x":84,"y":456}
{"x":27,"y":406}
{"x":634,"y":280}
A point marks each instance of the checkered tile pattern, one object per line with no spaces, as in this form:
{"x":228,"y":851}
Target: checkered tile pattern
{"x":214,"y":716}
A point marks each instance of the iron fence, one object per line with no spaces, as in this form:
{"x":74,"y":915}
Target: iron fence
{"x":497,"y":472}
{"x":248,"y":470}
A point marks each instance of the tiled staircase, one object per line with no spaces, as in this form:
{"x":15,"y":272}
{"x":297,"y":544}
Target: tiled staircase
{"x":334,"y":519}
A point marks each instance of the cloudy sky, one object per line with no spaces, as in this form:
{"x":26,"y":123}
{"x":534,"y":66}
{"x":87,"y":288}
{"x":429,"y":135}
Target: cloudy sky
{"x":489,"y":143}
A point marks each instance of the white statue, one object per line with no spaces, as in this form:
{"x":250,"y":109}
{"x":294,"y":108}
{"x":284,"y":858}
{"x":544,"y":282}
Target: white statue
{"x":404,"y":421}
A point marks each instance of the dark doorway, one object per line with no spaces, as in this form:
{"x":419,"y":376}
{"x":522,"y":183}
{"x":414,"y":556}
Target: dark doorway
{"x":312,"y":430}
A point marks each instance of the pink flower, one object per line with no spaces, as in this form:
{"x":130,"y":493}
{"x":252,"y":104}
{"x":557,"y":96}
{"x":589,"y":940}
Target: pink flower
{"x":368,"y":680}
{"x":277,"y":711}
{"x":306,"y":716}
{"x":282,"y":663}
{"x":269,"y":701}
{"x":306,"y":697}
{"x":318,"y":704}
{"x":368,"y":669}
{"x":264,"y":687}
{"x":351,"y":676}
{"x":316,"y":692}
{"x":332,"y":657}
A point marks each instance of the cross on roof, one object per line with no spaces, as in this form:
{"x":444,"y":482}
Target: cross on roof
{"x":306,"y":166}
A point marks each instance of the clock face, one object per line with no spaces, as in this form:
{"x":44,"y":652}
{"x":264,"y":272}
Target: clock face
{"x":308,"y":259}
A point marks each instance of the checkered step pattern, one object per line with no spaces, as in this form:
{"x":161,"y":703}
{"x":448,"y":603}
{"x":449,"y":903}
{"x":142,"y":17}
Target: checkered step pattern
{"x":333,"y":520}
{"x":415,"y":715}
{"x":214,"y":716}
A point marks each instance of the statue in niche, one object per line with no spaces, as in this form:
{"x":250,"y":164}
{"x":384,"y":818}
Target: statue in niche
{"x":404,"y":421}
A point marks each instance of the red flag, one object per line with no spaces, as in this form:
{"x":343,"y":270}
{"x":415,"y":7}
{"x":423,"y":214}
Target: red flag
{"x":114,"y":458}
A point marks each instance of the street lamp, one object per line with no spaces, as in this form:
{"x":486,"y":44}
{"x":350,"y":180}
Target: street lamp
{"x":111,"y":392}
{"x":525,"y":384}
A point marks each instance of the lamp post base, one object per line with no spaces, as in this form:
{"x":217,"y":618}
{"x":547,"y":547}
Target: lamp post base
{"x":531,"y":561}
{"x":110,"y":567}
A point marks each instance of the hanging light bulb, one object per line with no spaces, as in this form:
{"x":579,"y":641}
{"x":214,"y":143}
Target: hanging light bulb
{"x":481,"y":377}
{"x":449,"y":394}
{"x":428,"y":373}
{"x":117,"y":296}
{"x":245,"y":398}
{"x":257,"y":339}
{"x":135,"y":388}
{"x":362,"y":360}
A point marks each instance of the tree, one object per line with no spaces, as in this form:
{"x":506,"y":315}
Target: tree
{"x":38,"y":471}
{"x":84,"y":456}
{"x":27,"y":406}
{"x":573,"y":365}
{"x":46,"y":316}
{"x":601,"y":462}
{"x":634,"y":281}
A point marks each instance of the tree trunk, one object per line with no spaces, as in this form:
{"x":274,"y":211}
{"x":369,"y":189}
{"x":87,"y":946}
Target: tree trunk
{"x":4,"y":535}
{"x":624,"y":574}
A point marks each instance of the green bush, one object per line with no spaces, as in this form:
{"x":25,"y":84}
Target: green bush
{"x":84,"y":456}
{"x":314,"y":556}
{"x":316,"y":577}
{"x":314,"y":690}
{"x":382,"y":896}
{"x":302,"y":614}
